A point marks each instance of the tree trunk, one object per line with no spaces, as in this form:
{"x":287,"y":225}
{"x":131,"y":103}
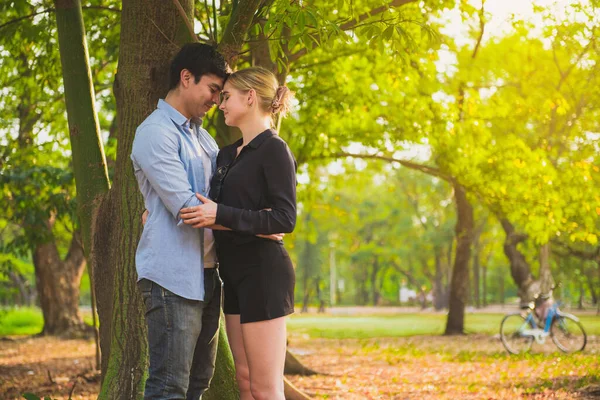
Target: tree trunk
{"x":306,"y":264}
{"x":476,"y":271}
{"x":223,"y":385}
{"x":89,"y":163}
{"x":374,"y":289}
{"x":26,"y":293}
{"x":235,"y":32}
{"x":294,"y":367}
{"x":484,"y":284}
{"x":546,"y":280}
{"x":439,"y":295}
{"x":448,"y":274}
{"x":502,"y":296}
{"x":592,"y":288}
{"x":460,"y":272}
{"x":363,"y":292}
{"x":57,"y":283}
{"x":519,"y":267}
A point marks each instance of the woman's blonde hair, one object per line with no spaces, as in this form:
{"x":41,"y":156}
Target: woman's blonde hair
{"x":272,"y":98}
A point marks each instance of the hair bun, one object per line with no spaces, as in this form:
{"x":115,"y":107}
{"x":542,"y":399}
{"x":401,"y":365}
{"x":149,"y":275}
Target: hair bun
{"x":279,"y":103}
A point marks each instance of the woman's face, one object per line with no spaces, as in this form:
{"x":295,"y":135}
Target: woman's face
{"x":234,"y":104}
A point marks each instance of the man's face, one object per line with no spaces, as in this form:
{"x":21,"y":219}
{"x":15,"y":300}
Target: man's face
{"x":202,"y":96}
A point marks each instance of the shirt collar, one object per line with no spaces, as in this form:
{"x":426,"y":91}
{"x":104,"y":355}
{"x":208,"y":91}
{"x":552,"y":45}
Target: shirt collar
{"x":258,"y":140}
{"x":176,"y":116}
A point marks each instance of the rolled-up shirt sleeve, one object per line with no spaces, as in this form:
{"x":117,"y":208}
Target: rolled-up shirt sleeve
{"x":280,"y":175}
{"x":156,"y":152}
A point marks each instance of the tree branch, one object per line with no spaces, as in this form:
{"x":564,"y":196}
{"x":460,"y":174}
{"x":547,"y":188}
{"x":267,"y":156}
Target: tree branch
{"x":593,"y":255}
{"x":75,"y":255}
{"x":355,"y":22}
{"x":237,"y":28}
{"x":408,"y":164}
{"x":51,"y":10}
{"x":481,"y":29}
{"x":414,"y":202}
{"x":186,"y":20}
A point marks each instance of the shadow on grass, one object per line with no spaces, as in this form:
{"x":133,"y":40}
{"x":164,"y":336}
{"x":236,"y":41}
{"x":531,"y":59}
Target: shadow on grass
{"x":587,"y":386}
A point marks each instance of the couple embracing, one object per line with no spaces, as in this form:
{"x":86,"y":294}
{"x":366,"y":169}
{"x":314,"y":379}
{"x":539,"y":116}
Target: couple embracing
{"x":213,"y":229}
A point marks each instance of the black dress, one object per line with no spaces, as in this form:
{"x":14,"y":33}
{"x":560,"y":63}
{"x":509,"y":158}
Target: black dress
{"x":256,"y":192}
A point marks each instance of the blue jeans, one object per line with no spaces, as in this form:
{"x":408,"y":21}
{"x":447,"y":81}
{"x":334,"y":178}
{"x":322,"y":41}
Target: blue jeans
{"x":182,"y":339}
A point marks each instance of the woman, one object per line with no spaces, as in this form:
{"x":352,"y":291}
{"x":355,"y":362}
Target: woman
{"x":255,"y":191}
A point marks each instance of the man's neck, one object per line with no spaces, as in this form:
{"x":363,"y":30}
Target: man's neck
{"x":175,"y":101}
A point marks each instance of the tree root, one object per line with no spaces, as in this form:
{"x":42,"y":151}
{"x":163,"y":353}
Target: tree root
{"x":291,"y":392}
{"x":294,"y":367}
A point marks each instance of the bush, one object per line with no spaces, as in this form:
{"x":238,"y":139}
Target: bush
{"x":21,"y":321}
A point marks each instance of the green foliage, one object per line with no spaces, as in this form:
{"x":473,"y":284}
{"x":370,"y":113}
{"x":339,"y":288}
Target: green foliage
{"x":21,"y":321}
{"x":36,"y":181}
{"x":516,"y":125}
{"x":33,"y":195}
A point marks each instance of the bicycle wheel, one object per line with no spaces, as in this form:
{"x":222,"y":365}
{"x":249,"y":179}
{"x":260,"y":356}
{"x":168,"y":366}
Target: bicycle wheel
{"x":511,"y":333}
{"x":568,"y":334}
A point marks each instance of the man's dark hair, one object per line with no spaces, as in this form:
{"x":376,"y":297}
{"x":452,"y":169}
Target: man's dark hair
{"x":200,"y":59}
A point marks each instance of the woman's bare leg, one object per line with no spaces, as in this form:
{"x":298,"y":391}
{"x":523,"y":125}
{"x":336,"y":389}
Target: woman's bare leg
{"x":265,"y":345}
{"x":236,"y":342}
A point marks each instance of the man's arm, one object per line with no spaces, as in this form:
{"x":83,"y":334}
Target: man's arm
{"x":156,"y":152}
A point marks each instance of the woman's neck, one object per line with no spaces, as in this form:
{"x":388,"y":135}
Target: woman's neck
{"x":254,"y":127}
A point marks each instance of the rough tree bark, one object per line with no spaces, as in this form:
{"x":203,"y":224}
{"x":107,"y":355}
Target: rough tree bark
{"x":440,"y":296}
{"x":520,"y":269}
{"x":460,"y":272}
{"x":89,"y":163}
{"x":546,"y":280}
{"x":57,"y":282}
{"x":477,"y":268}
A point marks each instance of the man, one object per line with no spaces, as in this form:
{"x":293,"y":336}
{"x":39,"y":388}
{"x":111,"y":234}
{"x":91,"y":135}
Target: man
{"x":173,"y":159}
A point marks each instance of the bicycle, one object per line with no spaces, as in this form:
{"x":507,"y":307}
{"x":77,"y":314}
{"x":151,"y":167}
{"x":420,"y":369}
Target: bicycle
{"x":518,"y":330}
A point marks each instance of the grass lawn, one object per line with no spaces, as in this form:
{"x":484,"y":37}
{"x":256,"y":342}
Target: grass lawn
{"x":373,"y":326}
{"x":29,"y":321}
{"x":26,"y":321}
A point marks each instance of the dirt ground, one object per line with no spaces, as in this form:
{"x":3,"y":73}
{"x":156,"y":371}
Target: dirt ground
{"x":427,"y":367}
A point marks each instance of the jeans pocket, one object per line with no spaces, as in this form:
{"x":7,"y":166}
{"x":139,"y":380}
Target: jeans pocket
{"x":147,"y":298}
{"x":145,"y":287}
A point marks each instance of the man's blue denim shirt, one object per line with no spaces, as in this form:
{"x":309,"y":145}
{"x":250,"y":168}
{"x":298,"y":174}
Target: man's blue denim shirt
{"x":167,"y":161}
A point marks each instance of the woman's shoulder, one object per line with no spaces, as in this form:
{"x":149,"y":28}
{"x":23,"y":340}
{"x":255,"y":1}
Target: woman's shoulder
{"x":278,"y":147}
{"x":277,"y":141}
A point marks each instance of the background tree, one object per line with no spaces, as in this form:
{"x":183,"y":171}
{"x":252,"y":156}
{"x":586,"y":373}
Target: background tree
{"x":36,"y":176}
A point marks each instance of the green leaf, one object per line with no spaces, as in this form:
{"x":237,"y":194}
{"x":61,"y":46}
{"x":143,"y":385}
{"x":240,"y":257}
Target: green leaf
{"x":388,"y":32}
